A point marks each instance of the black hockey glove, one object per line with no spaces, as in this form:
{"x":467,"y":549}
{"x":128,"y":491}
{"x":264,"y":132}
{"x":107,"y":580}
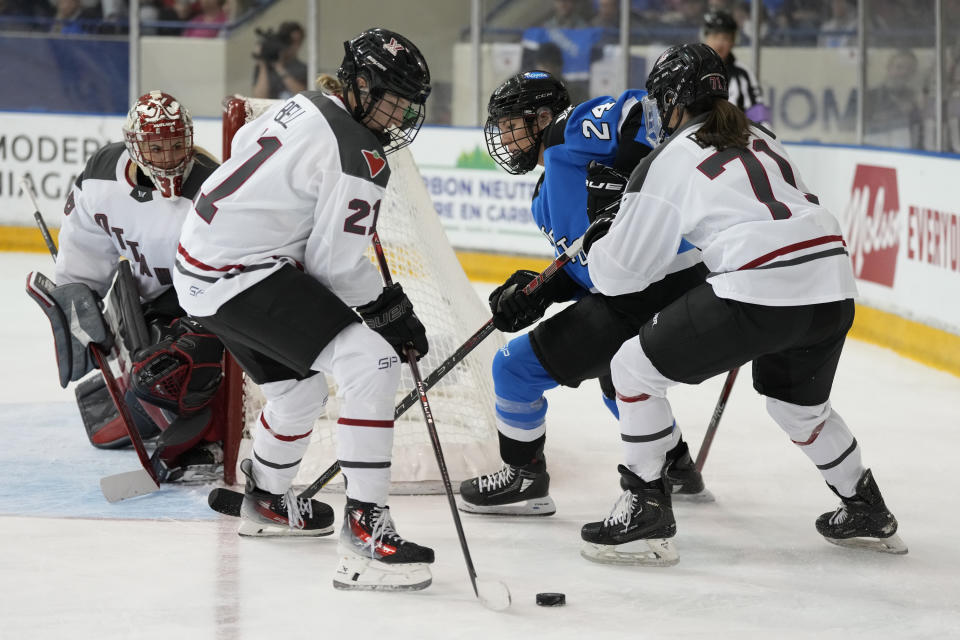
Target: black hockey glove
{"x":605,"y":187}
{"x":514,"y":310}
{"x":597,"y":229}
{"x":391,"y":315}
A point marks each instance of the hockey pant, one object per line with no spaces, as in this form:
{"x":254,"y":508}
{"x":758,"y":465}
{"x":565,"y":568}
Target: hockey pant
{"x":368,"y":373}
{"x":794,"y":351}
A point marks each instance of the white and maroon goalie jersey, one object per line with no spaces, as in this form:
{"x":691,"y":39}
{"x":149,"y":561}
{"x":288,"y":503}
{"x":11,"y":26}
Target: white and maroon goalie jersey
{"x":764,"y":237}
{"x":113,"y":210}
{"x":303,"y":186}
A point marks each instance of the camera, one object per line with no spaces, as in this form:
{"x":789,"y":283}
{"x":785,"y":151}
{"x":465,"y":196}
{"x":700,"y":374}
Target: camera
{"x":271,"y":44}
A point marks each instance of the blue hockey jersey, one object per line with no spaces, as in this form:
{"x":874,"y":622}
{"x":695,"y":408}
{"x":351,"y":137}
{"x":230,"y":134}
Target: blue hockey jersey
{"x":588,"y":131}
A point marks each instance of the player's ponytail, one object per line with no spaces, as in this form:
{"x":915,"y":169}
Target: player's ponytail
{"x":329,"y":84}
{"x":726,"y":126}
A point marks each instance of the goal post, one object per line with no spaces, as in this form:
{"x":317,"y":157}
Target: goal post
{"x":422,"y":259}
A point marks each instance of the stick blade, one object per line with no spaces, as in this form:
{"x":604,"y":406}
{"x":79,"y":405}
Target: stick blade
{"x":225,"y":501}
{"x":493,"y":594}
{"x":129,"y":484}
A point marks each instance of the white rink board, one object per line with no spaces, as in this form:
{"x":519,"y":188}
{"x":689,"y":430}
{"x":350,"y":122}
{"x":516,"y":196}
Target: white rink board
{"x":901,"y":221}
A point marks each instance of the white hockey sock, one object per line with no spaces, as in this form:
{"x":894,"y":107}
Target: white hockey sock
{"x":823,"y":437}
{"x":648,"y":431}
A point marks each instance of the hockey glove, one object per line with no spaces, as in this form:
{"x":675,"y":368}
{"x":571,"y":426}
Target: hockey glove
{"x":514,"y":310}
{"x":597,"y":229}
{"x":605,"y":187}
{"x":391,"y":315}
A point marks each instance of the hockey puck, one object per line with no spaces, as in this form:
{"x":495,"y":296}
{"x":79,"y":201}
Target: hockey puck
{"x":551,"y":599}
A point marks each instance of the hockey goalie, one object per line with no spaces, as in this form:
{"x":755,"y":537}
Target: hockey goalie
{"x":128,"y":204}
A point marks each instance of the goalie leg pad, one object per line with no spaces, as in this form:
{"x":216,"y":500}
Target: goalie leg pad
{"x":101,"y":420}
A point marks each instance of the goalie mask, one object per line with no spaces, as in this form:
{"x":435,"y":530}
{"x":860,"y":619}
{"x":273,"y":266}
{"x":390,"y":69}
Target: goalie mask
{"x":512,"y":132}
{"x":682,"y":76}
{"x":159,"y":137}
{"x":396,"y":83}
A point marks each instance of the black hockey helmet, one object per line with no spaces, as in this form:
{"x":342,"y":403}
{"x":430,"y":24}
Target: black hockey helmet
{"x":719,"y":21}
{"x":682,"y":76}
{"x":523,"y":96}
{"x":390,"y":64}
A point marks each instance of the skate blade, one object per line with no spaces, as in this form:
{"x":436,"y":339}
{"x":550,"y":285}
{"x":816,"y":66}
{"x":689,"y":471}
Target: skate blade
{"x":655,"y":552}
{"x":894,"y":544}
{"x":702,"y":496}
{"x":535,"y":507}
{"x":362,"y":573}
{"x":200,"y":474}
{"x":251,"y":529}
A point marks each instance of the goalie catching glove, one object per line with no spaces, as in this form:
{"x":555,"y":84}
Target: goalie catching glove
{"x":391,"y":315}
{"x":514,"y":310}
{"x":182,"y":372}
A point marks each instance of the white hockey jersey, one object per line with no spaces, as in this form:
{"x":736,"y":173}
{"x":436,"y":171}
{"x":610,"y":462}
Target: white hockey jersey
{"x":764,"y":237}
{"x":109,"y":213}
{"x":303,"y":186}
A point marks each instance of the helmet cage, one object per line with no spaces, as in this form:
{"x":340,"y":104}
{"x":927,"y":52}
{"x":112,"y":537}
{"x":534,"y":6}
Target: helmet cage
{"x":157,"y":132}
{"x":395,"y":73}
{"x":523,"y":96}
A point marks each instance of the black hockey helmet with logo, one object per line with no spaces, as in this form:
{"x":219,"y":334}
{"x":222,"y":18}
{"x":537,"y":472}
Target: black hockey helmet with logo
{"x":719,"y":21}
{"x":523,"y":96}
{"x":390,"y":64}
{"x":683,"y":75}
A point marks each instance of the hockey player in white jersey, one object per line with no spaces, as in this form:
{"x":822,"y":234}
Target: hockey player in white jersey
{"x":780,"y":294}
{"x":272,"y":260}
{"x":130,"y":202}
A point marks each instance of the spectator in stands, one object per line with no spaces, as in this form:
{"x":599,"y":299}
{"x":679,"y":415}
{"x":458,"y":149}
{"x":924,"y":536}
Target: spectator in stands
{"x":569,"y":14}
{"x":72,"y":18}
{"x":157,"y":11}
{"x":742,"y":14}
{"x":892,"y":113}
{"x":208,"y":22}
{"x":279,"y":72}
{"x":607,"y":15}
{"x":840,"y":30}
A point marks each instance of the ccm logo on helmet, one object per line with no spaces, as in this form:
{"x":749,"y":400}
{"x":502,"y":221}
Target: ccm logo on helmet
{"x":393,"y":47}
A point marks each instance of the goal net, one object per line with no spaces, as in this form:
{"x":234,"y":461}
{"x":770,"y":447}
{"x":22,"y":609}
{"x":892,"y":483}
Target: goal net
{"x":421,"y":258}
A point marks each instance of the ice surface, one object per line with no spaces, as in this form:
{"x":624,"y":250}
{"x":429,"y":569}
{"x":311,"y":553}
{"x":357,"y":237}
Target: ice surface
{"x":751,"y":564}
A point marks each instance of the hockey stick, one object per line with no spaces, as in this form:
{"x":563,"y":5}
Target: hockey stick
{"x":493,"y":595}
{"x":715,"y":419}
{"x":129,"y":484}
{"x":228,"y":501}
{"x":27,"y":186}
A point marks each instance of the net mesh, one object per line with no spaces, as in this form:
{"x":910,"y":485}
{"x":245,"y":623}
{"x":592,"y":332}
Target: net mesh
{"x":422,"y":259}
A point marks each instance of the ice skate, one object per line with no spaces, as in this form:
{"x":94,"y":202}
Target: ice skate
{"x":374,"y":557}
{"x":638,"y":529}
{"x":862,"y":521}
{"x":202,"y":463}
{"x":265,"y":514}
{"x":511,"y":491}
{"x":681,"y":474}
